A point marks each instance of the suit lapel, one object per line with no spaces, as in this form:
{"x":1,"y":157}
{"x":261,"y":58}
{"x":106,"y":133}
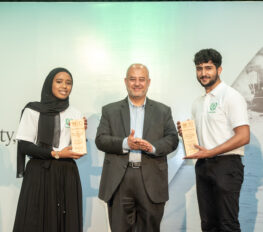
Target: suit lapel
{"x":147,"y":117}
{"x":125,"y":113}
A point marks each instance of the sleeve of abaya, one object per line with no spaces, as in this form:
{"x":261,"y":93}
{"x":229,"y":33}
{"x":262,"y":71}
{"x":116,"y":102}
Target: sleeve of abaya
{"x":34,"y":150}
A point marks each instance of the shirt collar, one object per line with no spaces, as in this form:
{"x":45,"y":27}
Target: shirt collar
{"x":216,"y":91}
{"x":131,"y":104}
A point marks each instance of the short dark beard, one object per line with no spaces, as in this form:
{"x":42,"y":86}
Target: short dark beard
{"x":210,"y":83}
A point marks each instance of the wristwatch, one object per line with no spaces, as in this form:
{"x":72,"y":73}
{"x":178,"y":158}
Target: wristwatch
{"x":56,"y":155}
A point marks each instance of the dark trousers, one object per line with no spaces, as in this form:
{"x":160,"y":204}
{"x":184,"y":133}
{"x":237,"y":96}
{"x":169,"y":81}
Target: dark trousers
{"x":130,"y":209}
{"x":218,"y":184}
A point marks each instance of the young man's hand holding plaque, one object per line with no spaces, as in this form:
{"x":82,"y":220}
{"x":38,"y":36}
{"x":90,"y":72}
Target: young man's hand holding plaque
{"x":78,"y":136}
{"x":189,"y":136}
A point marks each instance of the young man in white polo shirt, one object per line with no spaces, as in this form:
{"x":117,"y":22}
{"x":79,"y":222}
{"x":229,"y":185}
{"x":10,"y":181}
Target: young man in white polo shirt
{"x":223,"y":129}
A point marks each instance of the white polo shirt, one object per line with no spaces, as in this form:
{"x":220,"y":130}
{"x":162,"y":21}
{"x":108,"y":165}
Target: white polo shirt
{"x":28,"y":126}
{"x":216,"y":114}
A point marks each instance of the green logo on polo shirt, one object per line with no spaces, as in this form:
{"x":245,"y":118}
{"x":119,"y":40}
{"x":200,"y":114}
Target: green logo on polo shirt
{"x":212,"y":107}
{"x":67,"y":120}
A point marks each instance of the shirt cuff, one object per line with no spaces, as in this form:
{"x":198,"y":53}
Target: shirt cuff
{"x":125,"y":146}
{"x":153,"y":152}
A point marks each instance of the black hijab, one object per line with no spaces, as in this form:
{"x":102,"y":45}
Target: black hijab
{"x":49,"y":119}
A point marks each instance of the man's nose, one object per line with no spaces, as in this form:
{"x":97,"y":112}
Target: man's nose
{"x":203,"y":72}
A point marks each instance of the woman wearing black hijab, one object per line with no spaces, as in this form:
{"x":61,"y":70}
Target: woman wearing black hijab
{"x":51,"y":196}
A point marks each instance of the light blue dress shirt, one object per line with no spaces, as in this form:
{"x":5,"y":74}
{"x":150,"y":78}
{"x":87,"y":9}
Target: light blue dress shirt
{"x":136,"y":124}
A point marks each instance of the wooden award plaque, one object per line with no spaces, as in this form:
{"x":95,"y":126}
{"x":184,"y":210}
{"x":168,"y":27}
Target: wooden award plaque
{"x":189,"y":137}
{"x":78,"y":136}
